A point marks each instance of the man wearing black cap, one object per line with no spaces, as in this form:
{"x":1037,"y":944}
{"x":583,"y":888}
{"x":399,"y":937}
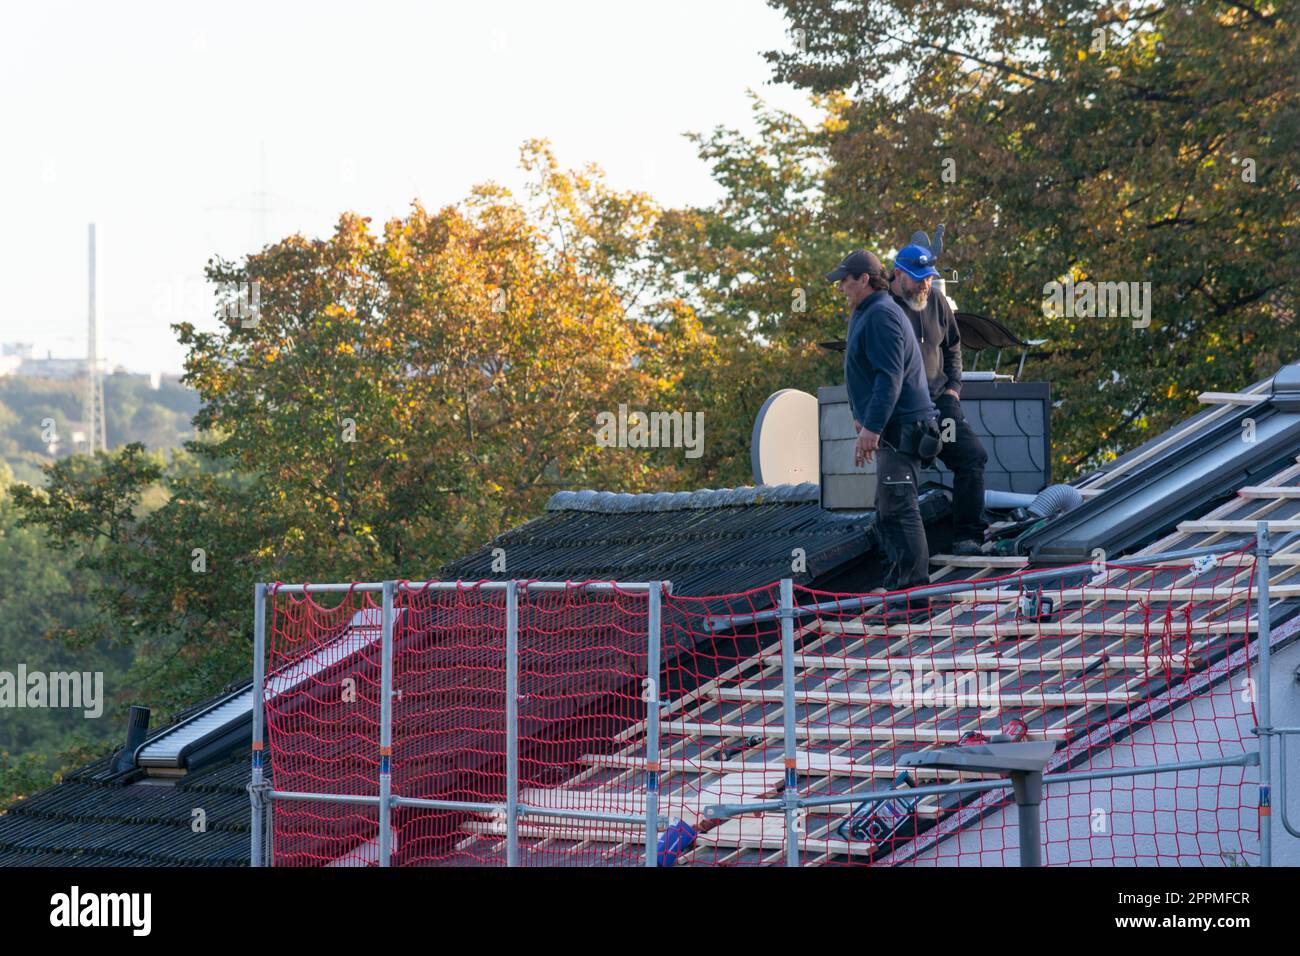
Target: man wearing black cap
{"x":891,"y":400}
{"x":940,"y":340}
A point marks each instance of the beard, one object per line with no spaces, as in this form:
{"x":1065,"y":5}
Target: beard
{"x":918,"y":301}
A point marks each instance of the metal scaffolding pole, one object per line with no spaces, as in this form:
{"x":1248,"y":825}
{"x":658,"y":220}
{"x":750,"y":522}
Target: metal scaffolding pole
{"x":386,"y":732}
{"x":512,"y":723}
{"x":259,"y":681}
{"x":654,"y":624}
{"x":791,"y":792}
{"x":1265,"y":730}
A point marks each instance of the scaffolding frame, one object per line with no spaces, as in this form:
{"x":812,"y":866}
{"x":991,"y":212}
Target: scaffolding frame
{"x":645,"y":736}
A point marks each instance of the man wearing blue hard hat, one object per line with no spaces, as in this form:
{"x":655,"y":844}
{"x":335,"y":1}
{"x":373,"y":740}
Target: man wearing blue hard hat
{"x":940,"y":339}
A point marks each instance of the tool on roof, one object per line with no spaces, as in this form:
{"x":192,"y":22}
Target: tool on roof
{"x":1013,"y":732}
{"x":1036,"y":606}
{"x":879,"y":820}
{"x":678,"y":838}
{"x":1206,"y":562}
{"x":741,"y":746}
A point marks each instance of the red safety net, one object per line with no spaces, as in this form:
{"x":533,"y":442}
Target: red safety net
{"x":322,"y":722}
{"x":582,"y":659}
{"x":581,"y":665}
{"x":1119,"y":666}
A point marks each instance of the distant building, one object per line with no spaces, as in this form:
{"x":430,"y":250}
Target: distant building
{"x":12,"y":355}
{"x":16,"y":358}
{"x":51,"y":367}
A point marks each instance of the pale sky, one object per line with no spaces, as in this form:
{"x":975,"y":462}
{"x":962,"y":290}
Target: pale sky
{"x":164,"y":123}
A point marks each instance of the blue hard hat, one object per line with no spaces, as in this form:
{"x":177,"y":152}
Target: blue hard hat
{"x":917,"y":261}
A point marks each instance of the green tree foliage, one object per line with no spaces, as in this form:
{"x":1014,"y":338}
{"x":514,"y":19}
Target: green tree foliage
{"x":44,"y":595}
{"x":743,"y":294}
{"x":150,"y":570}
{"x":1134,"y":142}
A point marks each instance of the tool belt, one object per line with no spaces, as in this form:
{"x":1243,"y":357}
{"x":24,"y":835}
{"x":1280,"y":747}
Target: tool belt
{"x":920,"y":440}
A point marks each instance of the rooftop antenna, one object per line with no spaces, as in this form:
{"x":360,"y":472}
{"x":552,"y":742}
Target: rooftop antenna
{"x":93,"y":404}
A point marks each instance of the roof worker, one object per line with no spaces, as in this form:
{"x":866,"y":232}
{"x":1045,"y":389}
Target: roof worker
{"x":911,"y":284}
{"x":888,"y":394}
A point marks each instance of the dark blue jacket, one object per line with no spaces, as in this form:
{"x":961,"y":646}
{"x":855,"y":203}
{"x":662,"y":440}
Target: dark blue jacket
{"x":883,"y":368}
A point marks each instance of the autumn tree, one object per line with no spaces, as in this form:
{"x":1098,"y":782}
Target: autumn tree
{"x":374,"y":403}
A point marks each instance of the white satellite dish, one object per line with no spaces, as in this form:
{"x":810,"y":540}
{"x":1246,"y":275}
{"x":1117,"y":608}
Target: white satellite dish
{"x":784,"y":449}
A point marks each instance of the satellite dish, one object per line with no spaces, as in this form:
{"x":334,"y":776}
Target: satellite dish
{"x":784,"y":448}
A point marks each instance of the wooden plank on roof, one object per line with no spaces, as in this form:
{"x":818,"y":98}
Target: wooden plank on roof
{"x":1248,"y":525}
{"x":1122,"y":593}
{"x":979,"y":662}
{"x":1231,"y":398}
{"x":767,"y":832}
{"x":687,"y":804}
{"x":922,"y":698}
{"x":1233,"y":560}
{"x":1264,"y":491}
{"x":856,"y":731}
{"x":1016,"y":628}
{"x":1062,"y":596}
{"x":807,"y":764}
{"x":594,"y":831}
{"x":979,"y":560}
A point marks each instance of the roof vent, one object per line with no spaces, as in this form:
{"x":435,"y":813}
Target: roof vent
{"x":137,"y":728}
{"x":1286,"y":388}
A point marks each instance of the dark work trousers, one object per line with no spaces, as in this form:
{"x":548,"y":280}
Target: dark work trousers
{"x":898,"y":517}
{"x":965,"y":457}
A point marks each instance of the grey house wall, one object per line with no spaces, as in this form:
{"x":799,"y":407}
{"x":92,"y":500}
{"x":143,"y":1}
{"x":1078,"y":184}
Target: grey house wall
{"x":1182,"y":812}
{"x":1012,"y":419}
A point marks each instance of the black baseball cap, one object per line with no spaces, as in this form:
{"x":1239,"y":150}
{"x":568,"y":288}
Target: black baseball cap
{"x":856,"y":263}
